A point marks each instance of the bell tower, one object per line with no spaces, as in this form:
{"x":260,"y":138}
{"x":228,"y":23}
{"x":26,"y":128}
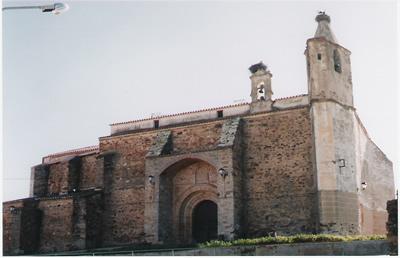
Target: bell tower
{"x":333,"y":117}
{"x":261,"y":91}
{"x":328,"y":66}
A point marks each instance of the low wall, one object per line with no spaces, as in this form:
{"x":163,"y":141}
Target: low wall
{"x":378,"y":247}
{"x":374,"y":247}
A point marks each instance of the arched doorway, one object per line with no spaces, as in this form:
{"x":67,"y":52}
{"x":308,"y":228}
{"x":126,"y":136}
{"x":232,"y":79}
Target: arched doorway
{"x":205,"y":221}
{"x":179,"y":183}
{"x":183,"y":186}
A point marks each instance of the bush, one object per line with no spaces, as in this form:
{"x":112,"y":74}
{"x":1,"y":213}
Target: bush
{"x":300,"y":238}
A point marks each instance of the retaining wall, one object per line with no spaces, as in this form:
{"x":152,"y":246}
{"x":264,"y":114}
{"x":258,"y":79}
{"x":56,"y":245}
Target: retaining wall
{"x":374,"y":247}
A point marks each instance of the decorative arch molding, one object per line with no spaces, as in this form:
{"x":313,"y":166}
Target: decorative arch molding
{"x":183,"y":209}
{"x":195,"y":190}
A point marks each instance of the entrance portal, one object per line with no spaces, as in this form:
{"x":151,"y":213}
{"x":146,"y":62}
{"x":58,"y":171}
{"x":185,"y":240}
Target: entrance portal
{"x":205,"y":221}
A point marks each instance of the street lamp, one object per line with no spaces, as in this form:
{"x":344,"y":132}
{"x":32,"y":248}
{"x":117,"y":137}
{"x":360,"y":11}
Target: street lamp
{"x":56,"y":8}
{"x":222,"y":172}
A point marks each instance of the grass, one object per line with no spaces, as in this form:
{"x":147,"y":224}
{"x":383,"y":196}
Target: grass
{"x":300,"y":238}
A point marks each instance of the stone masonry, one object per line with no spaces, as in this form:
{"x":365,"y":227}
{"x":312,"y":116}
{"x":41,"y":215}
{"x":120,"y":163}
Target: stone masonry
{"x":302,"y":164}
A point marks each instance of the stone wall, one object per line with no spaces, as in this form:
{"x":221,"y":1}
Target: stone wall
{"x":354,"y":248}
{"x":34,"y":225}
{"x":376,"y":171}
{"x":123,"y":217}
{"x":94,"y":223}
{"x":279,"y":188}
{"x":69,"y":222}
{"x":58,"y":178}
{"x":335,"y":166}
{"x":21,"y":226}
{"x":346,"y":159}
{"x":324,"y":83}
{"x":12,"y":227}
{"x":57,"y":227}
{"x":196,"y":138}
{"x":39,"y":180}
{"x":31,"y":222}
{"x":91,"y":176}
{"x":66,"y":174}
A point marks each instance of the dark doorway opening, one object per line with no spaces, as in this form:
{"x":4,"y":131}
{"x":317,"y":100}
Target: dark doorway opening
{"x":205,"y":221}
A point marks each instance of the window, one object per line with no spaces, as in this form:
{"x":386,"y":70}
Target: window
{"x":220,"y":113}
{"x":156,"y":123}
{"x":336,"y":61}
{"x":319,"y":56}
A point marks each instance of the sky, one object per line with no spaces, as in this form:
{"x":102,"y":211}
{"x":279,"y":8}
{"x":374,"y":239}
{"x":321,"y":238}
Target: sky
{"x":67,"y":77}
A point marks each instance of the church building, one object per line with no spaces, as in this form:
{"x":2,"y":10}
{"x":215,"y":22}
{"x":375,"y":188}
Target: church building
{"x":300,"y":164}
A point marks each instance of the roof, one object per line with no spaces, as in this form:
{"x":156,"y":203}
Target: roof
{"x":183,"y":113}
{"x":198,"y":111}
{"x":79,"y":151}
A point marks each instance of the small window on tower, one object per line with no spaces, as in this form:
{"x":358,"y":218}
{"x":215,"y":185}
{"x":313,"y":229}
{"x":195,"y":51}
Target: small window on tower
{"x":336,"y":61}
{"x":319,"y":56}
{"x":156,"y":123}
{"x":220,"y":113}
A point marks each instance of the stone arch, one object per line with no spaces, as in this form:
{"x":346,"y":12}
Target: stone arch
{"x":186,"y":208}
{"x":183,"y":184}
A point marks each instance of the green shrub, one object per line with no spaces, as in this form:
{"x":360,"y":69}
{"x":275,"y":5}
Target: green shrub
{"x":300,"y":238}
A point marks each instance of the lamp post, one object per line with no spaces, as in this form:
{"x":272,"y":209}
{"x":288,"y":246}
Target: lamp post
{"x":56,"y":8}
